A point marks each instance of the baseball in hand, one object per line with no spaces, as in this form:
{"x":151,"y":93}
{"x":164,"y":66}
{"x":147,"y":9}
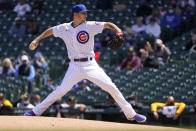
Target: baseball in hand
{"x":32,"y":46}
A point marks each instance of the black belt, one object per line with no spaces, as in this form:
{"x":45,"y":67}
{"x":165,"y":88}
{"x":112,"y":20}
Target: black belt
{"x":82,"y":59}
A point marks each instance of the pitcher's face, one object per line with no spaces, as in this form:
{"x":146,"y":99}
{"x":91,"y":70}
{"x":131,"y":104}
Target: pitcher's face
{"x":81,"y":16}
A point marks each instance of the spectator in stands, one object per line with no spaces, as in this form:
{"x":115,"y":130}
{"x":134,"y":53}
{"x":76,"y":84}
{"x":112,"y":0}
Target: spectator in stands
{"x":163,"y":11}
{"x":27,"y":71}
{"x":171,"y":110}
{"x":173,"y":3}
{"x":5,"y":5}
{"x":22,"y":8}
{"x":36,"y":100}
{"x":49,"y":85}
{"x":191,"y":46}
{"x":151,"y":61}
{"x":7,"y":68}
{"x":161,"y":52}
{"x":144,"y":10}
{"x":25,"y":103}
{"x":171,"y":19}
{"x":131,"y":61}
{"x":147,"y":56}
{"x":139,"y":27}
{"x":153,"y":28}
{"x":147,"y":49}
{"x":18,"y":61}
{"x":133,"y":100}
{"x":41,"y":65}
{"x":38,"y":7}
{"x":104,"y":4}
{"x":72,"y":104}
{"x":156,"y":14}
{"x":38,"y":63}
{"x":17,"y":28}
{"x":31,"y":27}
{"x":4,"y":103}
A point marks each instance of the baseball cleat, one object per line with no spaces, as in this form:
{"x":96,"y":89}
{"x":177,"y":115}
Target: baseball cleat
{"x":140,"y":118}
{"x":29,"y":113}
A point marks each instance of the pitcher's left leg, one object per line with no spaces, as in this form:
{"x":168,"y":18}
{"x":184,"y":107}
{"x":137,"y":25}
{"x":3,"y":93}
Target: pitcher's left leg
{"x":99,"y":77}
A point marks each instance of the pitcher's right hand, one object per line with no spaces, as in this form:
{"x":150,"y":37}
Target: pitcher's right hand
{"x":33,"y":45}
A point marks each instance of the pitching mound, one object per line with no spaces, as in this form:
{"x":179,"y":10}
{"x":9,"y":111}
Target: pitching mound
{"x":22,"y":123}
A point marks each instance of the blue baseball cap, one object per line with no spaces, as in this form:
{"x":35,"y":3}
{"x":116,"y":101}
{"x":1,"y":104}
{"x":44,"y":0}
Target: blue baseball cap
{"x":79,"y":8}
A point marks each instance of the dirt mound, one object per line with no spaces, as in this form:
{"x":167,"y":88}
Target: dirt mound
{"x":22,"y":123}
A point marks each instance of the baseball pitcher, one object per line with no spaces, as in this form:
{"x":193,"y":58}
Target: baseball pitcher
{"x":78,"y":36}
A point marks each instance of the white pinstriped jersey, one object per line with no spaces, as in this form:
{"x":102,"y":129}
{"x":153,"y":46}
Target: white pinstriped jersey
{"x":79,"y":40}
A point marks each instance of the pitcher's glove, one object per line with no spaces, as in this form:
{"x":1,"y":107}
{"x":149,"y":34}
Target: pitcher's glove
{"x":116,"y":41}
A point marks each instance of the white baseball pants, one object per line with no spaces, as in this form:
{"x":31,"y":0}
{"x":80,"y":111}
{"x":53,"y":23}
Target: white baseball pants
{"x":91,"y":71}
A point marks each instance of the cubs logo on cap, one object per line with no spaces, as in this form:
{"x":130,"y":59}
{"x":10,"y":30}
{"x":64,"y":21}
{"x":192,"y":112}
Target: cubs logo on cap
{"x":82,"y":37}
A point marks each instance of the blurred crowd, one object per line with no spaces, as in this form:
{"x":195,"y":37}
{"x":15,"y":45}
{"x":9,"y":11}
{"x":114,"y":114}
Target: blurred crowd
{"x":25,"y":68}
{"x":21,"y":26}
